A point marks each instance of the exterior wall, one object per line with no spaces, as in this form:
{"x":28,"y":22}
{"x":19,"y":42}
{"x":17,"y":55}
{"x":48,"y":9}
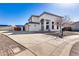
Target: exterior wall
{"x":34,"y":27}
{"x":26,"y":28}
{"x":50,"y":26}
{"x":35,"y":19}
{"x":37,"y":27}
{"x":75,"y":26}
{"x":30,"y":20}
{"x":51,"y":19}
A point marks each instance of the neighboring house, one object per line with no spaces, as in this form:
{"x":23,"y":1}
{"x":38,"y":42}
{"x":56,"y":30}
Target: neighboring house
{"x":18,"y":28}
{"x":67,"y":26}
{"x":44,"y":22}
{"x":5,"y":27}
{"x":75,"y":26}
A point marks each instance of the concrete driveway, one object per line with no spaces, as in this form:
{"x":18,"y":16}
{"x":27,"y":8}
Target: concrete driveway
{"x":9,"y":47}
{"x":40,"y":44}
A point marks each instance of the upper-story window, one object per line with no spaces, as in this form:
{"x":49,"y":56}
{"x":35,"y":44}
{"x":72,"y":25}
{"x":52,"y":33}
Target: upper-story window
{"x":47,"y":22}
{"x":42,"y":21}
{"x":52,"y":25}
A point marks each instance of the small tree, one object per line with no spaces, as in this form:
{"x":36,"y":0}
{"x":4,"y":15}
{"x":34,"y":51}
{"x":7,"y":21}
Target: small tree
{"x":61,"y":23}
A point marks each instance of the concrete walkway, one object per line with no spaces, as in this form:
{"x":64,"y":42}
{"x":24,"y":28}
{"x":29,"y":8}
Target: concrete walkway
{"x":44,"y":45}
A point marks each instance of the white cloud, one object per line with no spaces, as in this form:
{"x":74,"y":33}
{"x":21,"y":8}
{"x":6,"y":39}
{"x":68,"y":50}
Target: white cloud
{"x":66,"y":5}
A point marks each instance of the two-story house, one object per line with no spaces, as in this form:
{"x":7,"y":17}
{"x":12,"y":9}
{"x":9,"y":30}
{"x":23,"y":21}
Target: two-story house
{"x":44,"y":22}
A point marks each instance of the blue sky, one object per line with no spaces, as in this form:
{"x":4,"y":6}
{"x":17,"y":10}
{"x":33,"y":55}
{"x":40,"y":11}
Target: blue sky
{"x":19,"y":13}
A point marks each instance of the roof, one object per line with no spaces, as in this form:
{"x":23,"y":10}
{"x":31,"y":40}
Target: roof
{"x":26,"y":24}
{"x":75,"y":23}
{"x":34,"y":22}
{"x":33,"y":16}
{"x":41,"y":15}
{"x":50,"y":14}
{"x":45,"y":13}
{"x":19,"y":25}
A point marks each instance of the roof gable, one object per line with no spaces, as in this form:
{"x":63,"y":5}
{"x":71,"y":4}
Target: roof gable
{"x":75,"y":23}
{"x":50,"y":14}
{"x":45,"y":13}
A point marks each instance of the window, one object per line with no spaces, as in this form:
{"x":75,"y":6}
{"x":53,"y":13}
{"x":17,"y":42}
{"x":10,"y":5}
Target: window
{"x":52,"y":25}
{"x":47,"y":26}
{"x":57,"y":25}
{"x":42,"y":21}
{"x":47,"y":22}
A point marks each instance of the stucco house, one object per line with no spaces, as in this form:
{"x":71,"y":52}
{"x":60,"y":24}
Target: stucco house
{"x":75,"y":26}
{"x":18,"y":28}
{"x":44,"y":22}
